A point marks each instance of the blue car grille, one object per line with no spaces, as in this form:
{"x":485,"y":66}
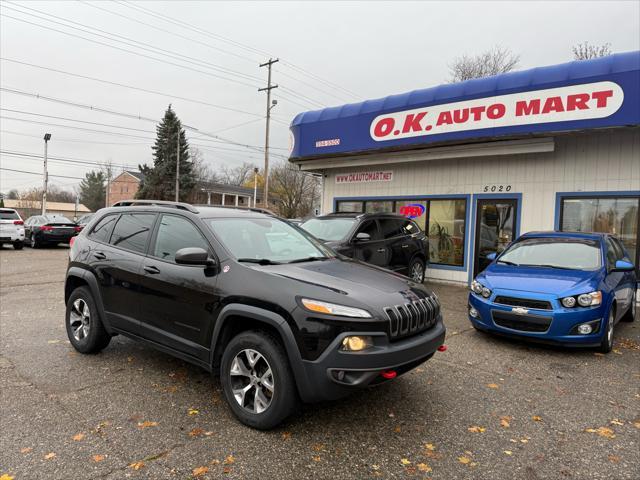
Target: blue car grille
{"x":413,"y":317}
{"x":523,"y":302}
{"x":523,"y":323}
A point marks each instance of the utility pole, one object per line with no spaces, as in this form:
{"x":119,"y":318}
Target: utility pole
{"x":255,"y":186}
{"x":268,"y":89}
{"x":178,"y":168}
{"x":47,"y":137}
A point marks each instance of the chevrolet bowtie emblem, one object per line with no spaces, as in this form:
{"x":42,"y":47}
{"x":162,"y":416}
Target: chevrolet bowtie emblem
{"x":520,"y":310}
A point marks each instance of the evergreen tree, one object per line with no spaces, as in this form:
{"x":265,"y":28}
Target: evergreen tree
{"x":92,"y":190}
{"x":160,"y":180}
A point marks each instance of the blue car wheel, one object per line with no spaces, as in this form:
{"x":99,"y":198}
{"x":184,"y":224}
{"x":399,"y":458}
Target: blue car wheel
{"x":607,"y":340}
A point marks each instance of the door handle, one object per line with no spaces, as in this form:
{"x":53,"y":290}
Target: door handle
{"x":381,"y":250}
{"x":151,"y":269}
{"x":99,"y":255}
{"x":405,"y":246}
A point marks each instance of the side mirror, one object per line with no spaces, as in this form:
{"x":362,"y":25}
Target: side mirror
{"x":194,"y":256}
{"x":362,"y":237}
{"x":623,"y":266}
{"x":491,"y":256}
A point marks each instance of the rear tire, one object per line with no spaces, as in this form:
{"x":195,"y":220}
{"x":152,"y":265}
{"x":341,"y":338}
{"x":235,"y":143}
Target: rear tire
{"x":417,"y":270}
{"x":84,"y":327}
{"x":607,"y":340}
{"x":18,"y":245}
{"x":261,"y":395}
{"x":631,"y":314}
{"x":33,"y":242}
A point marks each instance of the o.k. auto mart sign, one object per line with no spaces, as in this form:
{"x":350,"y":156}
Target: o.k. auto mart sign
{"x":583,"y":95}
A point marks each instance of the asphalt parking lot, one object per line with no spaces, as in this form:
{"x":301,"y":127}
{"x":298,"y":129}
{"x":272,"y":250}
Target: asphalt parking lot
{"x":487,"y":408}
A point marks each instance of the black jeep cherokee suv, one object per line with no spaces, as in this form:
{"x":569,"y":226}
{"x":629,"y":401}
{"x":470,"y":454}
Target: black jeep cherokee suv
{"x":384,"y":239}
{"x":280,"y":316}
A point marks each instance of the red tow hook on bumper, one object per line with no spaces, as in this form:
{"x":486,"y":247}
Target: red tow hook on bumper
{"x":442,"y":348}
{"x":389,"y":374}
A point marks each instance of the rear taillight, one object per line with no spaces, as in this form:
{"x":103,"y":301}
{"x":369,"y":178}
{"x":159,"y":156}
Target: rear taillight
{"x":72,"y":241}
{"x":18,"y":222}
{"x":46,"y":228}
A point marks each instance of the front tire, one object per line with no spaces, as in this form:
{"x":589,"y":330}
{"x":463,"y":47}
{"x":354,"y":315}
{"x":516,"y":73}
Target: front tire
{"x":257,"y":380}
{"x":607,"y":340}
{"x":417,"y":270}
{"x":18,"y":245}
{"x":84,"y":327}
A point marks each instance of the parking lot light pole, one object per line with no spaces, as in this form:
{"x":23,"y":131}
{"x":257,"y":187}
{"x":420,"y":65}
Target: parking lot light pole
{"x":255,"y":186}
{"x":47,"y":137}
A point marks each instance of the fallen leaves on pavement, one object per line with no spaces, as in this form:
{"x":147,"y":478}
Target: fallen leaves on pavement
{"x":286,"y":435}
{"x":98,"y":458}
{"x":199,"y":471}
{"x":229,"y":460}
{"x":136,"y":465}
{"x":602,"y":431}
{"x":614,"y":458}
{"x":26,"y":450}
{"x":628,"y":344}
{"x":505,"y":421}
{"x":49,"y":456}
{"x":508,"y":452}
{"x":464,"y":460}
{"x":6,"y":476}
{"x":493,"y":385}
{"x":147,"y":424}
{"x":615,"y":421}
{"x":537,"y":418}
{"x":405,"y":461}
{"x":193,"y":411}
{"x":78,"y":436}
{"x":196,"y":432}
{"x":476,"y":429}
{"x":423,"y":467}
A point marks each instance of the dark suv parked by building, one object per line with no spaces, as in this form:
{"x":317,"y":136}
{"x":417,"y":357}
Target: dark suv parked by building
{"x":241,"y":293}
{"x":383,"y":239}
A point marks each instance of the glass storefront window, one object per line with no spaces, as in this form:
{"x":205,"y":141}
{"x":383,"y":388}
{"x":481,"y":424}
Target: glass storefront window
{"x":350,"y":207}
{"x":421,"y":220}
{"x":615,"y":215}
{"x":446,"y":231}
{"x":379,"y":207}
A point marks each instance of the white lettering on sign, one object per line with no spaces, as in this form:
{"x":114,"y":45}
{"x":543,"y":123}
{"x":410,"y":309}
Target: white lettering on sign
{"x":364,"y":177}
{"x":576,"y":102}
{"x":328,"y":143}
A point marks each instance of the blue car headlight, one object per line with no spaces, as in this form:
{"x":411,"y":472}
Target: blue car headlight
{"x":591,"y":299}
{"x":479,"y":289}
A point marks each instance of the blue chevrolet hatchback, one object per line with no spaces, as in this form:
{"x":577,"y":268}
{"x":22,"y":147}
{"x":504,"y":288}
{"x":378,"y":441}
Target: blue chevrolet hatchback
{"x":566,"y":288}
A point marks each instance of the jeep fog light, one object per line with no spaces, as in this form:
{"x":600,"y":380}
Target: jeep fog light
{"x":356,"y":343}
{"x":585,"y":329}
{"x":473,"y":312}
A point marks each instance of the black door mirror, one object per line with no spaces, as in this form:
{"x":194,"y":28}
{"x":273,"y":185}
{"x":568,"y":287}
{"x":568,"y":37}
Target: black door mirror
{"x":362,"y":237}
{"x":194,"y":256}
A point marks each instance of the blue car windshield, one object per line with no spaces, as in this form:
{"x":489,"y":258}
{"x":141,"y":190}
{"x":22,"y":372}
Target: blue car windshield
{"x":566,"y":253}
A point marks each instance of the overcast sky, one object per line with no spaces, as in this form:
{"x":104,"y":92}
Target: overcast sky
{"x":331,"y":53}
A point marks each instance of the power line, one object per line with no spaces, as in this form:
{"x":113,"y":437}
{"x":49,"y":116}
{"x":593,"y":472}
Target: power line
{"x":128,"y":41}
{"x":76,"y":140}
{"x":39,"y":173}
{"x":128,"y":51}
{"x":145,"y":90}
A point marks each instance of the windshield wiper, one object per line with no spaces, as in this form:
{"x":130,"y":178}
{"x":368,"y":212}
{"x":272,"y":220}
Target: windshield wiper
{"x":548,"y":266}
{"x":308,"y":259}
{"x":507,"y":262}
{"x":259,"y":261}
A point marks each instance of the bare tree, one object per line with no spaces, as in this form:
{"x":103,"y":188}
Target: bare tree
{"x":237,"y":175}
{"x":203,"y":172}
{"x":296,"y":190}
{"x":491,"y":62}
{"x":584,"y":51}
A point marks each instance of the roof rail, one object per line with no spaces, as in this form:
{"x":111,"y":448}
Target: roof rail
{"x":240,"y":207}
{"x":158,"y":203}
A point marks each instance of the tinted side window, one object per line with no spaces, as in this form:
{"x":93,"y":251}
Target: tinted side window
{"x":620,"y":251}
{"x":102,"y":231}
{"x":175,"y":233}
{"x":132,"y":231}
{"x":370,"y":227}
{"x":390,"y":227}
{"x":410,"y":228}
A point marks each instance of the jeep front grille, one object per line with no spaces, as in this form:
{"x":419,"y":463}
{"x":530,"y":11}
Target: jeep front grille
{"x":411,"y":318}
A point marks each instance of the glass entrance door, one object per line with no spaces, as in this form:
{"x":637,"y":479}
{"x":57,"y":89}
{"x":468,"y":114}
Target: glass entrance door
{"x":495,"y":229}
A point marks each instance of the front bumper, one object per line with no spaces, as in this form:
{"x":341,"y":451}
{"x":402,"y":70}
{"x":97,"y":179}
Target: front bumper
{"x":562,"y":322}
{"x":362,"y":369}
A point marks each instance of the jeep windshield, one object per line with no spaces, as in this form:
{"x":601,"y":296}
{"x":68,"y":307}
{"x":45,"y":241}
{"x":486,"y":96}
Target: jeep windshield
{"x":266,"y":241}
{"x":329,"y":229}
{"x":565,"y":253}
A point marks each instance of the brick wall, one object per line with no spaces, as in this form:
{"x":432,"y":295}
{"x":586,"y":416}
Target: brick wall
{"x":123,"y":187}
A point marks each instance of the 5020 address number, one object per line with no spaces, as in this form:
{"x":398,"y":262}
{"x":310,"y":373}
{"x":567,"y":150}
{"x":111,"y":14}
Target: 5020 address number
{"x":497,"y":188}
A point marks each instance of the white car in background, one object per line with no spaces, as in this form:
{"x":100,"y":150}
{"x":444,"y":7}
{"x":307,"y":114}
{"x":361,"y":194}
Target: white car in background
{"x":11,"y":228}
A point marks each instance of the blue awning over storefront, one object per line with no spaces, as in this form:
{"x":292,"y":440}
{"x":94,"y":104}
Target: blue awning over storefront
{"x":598,"y":93}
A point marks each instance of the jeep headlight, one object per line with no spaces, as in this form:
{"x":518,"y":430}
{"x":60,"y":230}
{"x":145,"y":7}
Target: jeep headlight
{"x":333,"y":309}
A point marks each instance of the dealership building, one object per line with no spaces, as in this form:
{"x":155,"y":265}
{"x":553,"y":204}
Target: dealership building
{"x":479,"y":162}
